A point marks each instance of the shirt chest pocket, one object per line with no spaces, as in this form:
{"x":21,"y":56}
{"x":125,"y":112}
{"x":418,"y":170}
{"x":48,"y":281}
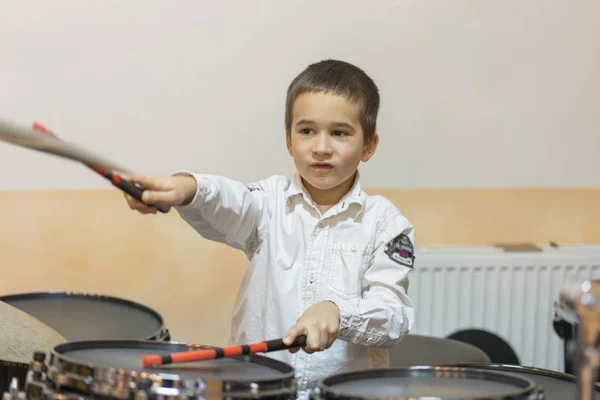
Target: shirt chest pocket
{"x":347,"y":267}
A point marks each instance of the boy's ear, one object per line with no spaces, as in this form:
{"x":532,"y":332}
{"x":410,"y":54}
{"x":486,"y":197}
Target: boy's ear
{"x":370,"y":147}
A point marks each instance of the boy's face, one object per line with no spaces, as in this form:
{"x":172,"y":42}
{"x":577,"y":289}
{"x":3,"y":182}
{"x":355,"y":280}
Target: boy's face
{"x":327,"y":141}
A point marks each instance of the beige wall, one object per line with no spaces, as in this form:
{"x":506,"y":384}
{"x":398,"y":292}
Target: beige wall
{"x":89,"y":241}
{"x":495,"y":93}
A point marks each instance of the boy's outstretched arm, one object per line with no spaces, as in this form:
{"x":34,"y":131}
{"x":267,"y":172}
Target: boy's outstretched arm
{"x":218,"y":208}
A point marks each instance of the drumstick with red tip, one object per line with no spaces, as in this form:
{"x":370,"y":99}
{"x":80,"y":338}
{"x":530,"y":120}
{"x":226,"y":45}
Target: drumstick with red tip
{"x":113,"y":177}
{"x":212,"y":354}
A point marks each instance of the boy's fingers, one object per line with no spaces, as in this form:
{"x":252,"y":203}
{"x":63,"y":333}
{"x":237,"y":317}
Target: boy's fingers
{"x":167,"y":198}
{"x":139,"y":206}
{"x":291,"y":335}
{"x":313,"y":340}
{"x":152,"y":182}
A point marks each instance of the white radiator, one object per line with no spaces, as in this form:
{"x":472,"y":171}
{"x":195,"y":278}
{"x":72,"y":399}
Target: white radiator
{"x":511,"y":294}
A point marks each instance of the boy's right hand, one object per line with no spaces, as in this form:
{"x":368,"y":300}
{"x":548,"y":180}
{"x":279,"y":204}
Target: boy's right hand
{"x":175,"y":190}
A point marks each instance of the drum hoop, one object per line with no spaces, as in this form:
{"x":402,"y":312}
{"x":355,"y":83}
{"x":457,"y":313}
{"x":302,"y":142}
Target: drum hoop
{"x":523,"y":369}
{"x":158,"y":335}
{"x":90,"y":379}
{"x":528,"y":389}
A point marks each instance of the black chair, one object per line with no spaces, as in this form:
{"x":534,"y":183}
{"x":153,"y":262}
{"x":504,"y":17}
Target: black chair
{"x":496,"y":348}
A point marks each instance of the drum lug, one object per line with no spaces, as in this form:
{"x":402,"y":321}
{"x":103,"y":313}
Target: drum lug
{"x":38,"y":367}
{"x":35,"y":386}
{"x":35,"y":390}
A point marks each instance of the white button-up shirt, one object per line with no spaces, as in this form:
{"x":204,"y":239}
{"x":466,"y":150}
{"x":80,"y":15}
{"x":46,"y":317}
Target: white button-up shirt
{"x":299,"y":257}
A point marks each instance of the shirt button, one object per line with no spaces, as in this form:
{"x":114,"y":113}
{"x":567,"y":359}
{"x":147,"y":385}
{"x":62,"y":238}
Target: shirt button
{"x":320,"y":225}
{"x":354,"y":248}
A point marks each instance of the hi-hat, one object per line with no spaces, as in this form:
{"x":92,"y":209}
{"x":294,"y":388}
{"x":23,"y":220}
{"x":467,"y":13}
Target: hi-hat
{"x":21,"y":335}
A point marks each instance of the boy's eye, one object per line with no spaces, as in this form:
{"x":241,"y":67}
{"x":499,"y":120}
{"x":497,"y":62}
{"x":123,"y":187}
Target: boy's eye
{"x":340,"y":133}
{"x":305,"y":131}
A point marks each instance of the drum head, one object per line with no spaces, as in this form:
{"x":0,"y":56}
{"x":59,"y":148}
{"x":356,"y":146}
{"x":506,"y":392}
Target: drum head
{"x":556,"y":385}
{"x":425,"y":382}
{"x":97,"y":360}
{"x":93,"y":317}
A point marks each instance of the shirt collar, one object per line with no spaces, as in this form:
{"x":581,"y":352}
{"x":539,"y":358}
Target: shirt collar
{"x":296,"y":187}
{"x":354,"y":196}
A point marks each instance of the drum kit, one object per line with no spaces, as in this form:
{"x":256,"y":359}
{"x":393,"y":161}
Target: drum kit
{"x":70,"y":346}
{"x":74,"y":346}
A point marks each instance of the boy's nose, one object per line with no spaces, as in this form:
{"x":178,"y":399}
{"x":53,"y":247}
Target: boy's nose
{"x":322,"y":144}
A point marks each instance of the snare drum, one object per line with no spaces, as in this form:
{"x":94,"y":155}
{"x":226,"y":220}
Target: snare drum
{"x":556,"y":385}
{"x":79,"y":316}
{"x":426,"y":382}
{"x":113,"y":369}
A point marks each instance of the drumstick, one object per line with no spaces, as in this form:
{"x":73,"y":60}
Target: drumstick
{"x":26,"y":137}
{"x":231,"y":351}
{"x":114,"y":178}
{"x":29,"y":137}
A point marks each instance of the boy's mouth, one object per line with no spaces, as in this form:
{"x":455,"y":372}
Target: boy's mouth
{"x":321,"y":166}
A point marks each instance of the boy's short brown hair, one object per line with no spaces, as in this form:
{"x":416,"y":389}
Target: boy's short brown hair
{"x":342,"y":79}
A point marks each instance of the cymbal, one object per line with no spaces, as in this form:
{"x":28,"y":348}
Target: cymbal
{"x":21,"y":335}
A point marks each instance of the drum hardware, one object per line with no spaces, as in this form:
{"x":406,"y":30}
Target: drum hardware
{"x":35,"y":374}
{"x":582,"y":299}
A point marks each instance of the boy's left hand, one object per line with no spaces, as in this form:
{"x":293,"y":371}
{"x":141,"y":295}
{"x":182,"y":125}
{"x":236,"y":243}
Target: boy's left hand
{"x":320,"y":323}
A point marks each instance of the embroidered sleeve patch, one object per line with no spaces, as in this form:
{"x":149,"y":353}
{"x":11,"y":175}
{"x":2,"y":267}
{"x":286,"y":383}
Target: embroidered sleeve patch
{"x":401,"y":250}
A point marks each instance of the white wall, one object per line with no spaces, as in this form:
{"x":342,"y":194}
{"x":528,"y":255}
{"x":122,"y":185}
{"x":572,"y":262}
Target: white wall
{"x":475,"y":93}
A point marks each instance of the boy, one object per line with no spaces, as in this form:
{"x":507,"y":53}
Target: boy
{"x":326,"y":260}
